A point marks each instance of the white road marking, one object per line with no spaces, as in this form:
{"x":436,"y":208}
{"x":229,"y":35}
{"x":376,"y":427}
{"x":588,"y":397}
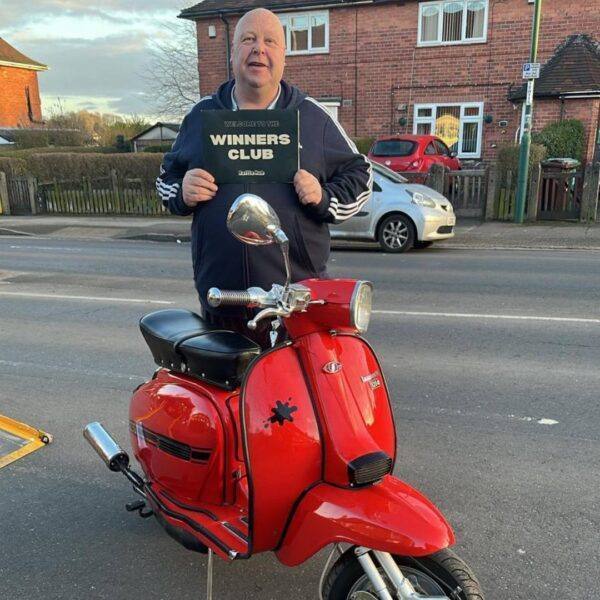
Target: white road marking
{"x":34,"y":367}
{"x":86,"y":298}
{"x":410,"y":313}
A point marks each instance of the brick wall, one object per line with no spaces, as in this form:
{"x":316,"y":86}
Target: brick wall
{"x":374,"y":64}
{"x":13,"y":103}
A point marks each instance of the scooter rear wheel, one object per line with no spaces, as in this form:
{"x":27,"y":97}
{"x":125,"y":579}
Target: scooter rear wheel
{"x":439,"y":574}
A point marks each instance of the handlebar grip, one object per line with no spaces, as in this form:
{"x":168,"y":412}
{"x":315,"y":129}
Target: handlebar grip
{"x":217,"y":297}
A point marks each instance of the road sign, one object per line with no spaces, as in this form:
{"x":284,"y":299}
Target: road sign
{"x":531,"y":70}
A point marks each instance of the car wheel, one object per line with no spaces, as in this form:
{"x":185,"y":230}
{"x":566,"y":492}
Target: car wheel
{"x":421,"y":245}
{"x":396,"y":234}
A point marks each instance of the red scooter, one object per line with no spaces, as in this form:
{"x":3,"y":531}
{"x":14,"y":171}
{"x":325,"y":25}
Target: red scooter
{"x":286,"y":450}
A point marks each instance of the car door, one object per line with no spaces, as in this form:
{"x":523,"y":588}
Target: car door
{"x":444,"y":155}
{"x":359,"y":224}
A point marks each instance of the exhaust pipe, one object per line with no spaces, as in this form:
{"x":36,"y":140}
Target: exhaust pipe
{"x":110,"y":452}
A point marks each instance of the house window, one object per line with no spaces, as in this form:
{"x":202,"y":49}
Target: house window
{"x":306,"y":32}
{"x":454,"y":22}
{"x":458,"y":125}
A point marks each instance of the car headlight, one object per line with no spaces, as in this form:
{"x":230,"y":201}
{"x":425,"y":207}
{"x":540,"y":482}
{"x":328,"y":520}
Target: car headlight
{"x":360,"y":305}
{"x":422,"y":200}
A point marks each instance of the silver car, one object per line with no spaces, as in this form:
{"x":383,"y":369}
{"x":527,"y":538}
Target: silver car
{"x":399,"y":215}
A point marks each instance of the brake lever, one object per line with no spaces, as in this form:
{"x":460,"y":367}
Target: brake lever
{"x":267,"y":312}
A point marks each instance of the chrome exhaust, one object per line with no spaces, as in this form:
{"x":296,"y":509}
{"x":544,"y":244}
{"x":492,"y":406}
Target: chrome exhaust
{"x":110,"y":452}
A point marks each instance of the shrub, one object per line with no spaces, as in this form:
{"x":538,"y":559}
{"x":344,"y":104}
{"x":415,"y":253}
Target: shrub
{"x":36,"y":138}
{"x":508,"y":159}
{"x":68,"y":166}
{"x":563,"y":139}
{"x":13,"y":166}
{"x":12,"y":152}
{"x":159,"y":148}
{"x":364,"y":144}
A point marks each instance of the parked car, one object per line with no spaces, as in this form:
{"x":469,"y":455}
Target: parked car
{"x":399,"y":215}
{"x":413,"y":153}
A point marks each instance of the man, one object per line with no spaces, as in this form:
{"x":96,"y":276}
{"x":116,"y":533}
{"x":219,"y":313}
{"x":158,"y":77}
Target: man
{"x":334,"y":181}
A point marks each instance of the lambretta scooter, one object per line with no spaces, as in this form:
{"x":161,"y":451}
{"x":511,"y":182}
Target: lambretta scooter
{"x":288,"y":450}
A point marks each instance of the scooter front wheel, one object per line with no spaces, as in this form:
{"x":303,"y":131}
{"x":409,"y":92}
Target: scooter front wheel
{"x":441,"y":574}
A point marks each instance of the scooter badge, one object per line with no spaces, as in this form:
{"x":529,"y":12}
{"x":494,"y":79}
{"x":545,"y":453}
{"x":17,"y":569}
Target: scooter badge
{"x":332,"y":367}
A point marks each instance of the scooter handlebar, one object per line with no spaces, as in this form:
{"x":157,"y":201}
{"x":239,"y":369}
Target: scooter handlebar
{"x":251,"y":297}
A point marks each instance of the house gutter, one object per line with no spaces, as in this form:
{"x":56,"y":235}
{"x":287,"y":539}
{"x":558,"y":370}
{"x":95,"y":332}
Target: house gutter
{"x":285,"y":8}
{"x":227,"y":48}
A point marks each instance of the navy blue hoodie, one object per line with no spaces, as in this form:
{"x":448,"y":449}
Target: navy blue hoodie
{"x":325,"y":151}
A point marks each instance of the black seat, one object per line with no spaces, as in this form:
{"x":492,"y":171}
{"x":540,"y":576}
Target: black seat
{"x":181,"y":341}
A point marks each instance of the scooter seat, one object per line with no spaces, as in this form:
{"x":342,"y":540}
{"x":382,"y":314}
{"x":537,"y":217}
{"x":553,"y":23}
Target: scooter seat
{"x":182,"y":341}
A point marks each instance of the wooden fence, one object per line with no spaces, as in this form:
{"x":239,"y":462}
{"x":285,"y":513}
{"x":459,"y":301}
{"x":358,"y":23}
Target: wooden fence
{"x":111,"y":195}
{"x":467,"y":190}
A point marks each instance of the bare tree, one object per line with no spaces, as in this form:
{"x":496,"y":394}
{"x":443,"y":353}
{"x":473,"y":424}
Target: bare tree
{"x":172,"y":75}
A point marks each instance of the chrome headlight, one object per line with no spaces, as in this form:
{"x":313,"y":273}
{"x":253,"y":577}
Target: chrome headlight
{"x":422,"y":200}
{"x":360,"y":305}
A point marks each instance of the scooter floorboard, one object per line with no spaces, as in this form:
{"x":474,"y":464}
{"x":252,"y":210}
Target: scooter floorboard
{"x":224,"y":529}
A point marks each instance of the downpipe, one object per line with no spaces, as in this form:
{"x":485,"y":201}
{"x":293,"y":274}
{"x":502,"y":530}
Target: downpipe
{"x":403,"y":587}
{"x":114,"y":457}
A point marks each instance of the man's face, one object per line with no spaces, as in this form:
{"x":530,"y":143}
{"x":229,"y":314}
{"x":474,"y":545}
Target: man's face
{"x":259,"y":50}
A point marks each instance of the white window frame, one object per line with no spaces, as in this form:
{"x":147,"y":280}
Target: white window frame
{"x":439,"y":42}
{"x":462,"y":120}
{"x":286,"y":18}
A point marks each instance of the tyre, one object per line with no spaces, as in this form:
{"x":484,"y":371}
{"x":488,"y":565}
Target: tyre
{"x":422,"y":245}
{"x":396,"y":234}
{"x":441,"y":574}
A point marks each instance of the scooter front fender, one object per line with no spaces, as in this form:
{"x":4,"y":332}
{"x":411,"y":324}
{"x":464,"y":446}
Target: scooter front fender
{"x":390,"y":516}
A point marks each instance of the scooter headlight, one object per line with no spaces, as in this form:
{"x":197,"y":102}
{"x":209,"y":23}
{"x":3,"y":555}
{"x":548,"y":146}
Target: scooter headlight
{"x":360,"y":305}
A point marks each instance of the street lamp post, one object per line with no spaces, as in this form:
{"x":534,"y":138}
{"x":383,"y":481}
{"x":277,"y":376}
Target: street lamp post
{"x":526,"y":137}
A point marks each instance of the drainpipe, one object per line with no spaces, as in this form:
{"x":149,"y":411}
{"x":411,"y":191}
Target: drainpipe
{"x":227,"y":49}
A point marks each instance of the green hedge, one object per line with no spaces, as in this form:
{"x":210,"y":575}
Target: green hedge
{"x":36,"y":138}
{"x":13,"y":166}
{"x":13,"y":152}
{"x":68,"y":166}
{"x":160,"y":148}
{"x":563,"y":139}
{"x":364,"y":144}
{"x":508,"y":159}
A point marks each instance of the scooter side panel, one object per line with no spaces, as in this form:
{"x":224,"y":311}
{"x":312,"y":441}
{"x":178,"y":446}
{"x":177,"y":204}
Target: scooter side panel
{"x":390,"y":516}
{"x":282,"y":442}
{"x":178,"y":437}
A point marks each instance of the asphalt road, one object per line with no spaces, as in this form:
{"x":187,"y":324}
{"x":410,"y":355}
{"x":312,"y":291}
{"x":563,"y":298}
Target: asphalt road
{"x":498,"y":418}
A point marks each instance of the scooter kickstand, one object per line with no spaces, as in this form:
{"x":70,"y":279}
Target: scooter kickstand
{"x":209,"y":575}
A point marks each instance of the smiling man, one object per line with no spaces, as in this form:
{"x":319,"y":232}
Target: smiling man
{"x":332,"y":184}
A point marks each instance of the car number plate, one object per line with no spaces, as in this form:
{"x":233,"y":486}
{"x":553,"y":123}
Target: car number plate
{"x":452,"y":220}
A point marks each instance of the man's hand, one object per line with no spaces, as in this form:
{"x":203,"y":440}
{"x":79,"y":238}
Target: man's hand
{"x":307,"y":187}
{"x":198,"y":186}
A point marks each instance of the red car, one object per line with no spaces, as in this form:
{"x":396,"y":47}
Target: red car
{"x":413,"y":153}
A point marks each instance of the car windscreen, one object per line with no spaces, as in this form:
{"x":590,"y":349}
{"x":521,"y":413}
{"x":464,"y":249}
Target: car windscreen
{"x":393,"y":148}
{"x":388,"y":173}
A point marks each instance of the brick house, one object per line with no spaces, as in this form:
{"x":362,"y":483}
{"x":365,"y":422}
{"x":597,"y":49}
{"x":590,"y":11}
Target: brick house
{"x":20,"y":104}
{"x":407,"y":66}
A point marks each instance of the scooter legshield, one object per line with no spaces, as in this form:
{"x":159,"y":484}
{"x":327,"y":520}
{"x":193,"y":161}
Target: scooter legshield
{"x":390,"y":516}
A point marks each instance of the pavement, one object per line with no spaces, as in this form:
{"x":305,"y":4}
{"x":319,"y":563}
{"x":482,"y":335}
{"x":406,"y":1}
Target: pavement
{"x":470,"y":233}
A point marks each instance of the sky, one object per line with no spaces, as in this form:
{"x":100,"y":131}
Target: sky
{"x":97,"y":54}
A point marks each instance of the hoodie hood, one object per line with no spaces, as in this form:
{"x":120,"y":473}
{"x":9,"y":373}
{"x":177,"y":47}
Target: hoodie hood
{"x":290,"y":96}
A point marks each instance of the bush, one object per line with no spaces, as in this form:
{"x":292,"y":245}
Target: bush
{"x":160,"y":148}
{"x":13,"y":166}
{"x":13,"y":152}
{"x":66,"y":166}
{"x":36,"y":138}
{"x":364,"y":144}
{"x":563,"y":139}
{"x":508,"y":159}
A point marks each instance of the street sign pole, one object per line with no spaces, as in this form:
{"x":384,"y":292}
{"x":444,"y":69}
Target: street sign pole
{"x":526,"y":137}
